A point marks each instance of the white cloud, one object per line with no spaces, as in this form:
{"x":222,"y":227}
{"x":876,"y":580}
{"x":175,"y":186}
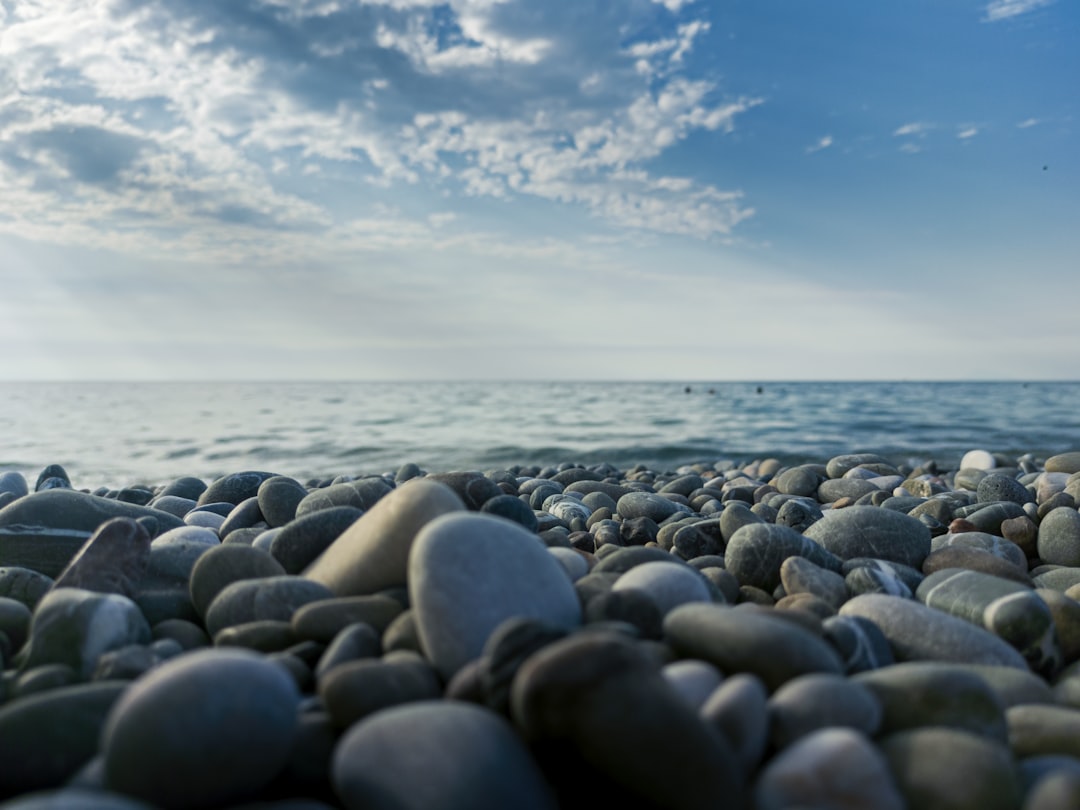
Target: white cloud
{"x":673,"y":5}
{"x":910,"y":148}
{"x":1004,"y":9}
{"x":823,"y":142}
{"x":915,"y":128}
{"x":1029,"y":122}
{"x":967,"y":131}
{"x":203,"y":127}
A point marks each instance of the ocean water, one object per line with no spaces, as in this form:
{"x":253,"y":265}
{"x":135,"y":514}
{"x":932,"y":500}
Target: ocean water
{"x":114,"y":434}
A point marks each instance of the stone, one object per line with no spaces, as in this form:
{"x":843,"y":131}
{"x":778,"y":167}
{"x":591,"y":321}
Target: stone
{"x":507,"y":648}
{"x":989,"y":517}
{"x":470,"y":572}
{"x":444,"y":754}
{"x":1064,"y":462}
{"x":322,"y":620}
{"x":812,"y":702}
{"x":1066,"y":613}
{"x":373,"y":553}
{"x":251,"y":600}
{"x":223,"y":565}
{"x":74,"y":627}
{"x":936,"y":768}
{"x":973,"y":558}
{"x":755,"y":553}
{"x":352,"y":643}
{"x":834,"y":489}
{"x":473,"y":488}
{"x":569,"y":701}
{"x":355,"y":690}
{"x":166,"y":739}
{"x":244,"y":515}
{"x":23,"y":585}
{"x":738,"y":709}
{"x":278,"y":498}
{"x":930,"y":693}
{"x":76,"y":798}
{"x":300,"y":542}
{"x":743,"y":639}
{"x":799,"y":575}
{"x":173,"y":504}
{"x":234,"y":487}
{"x":866,"y":531}
{"x":694,"y":680}
{"x":113,"y":560}
{"x":1009,"y":610}
{"x":832,"y":767}
{"x":917,"y":632}
{"x":38,"y":548}
{"x":1038,"y":728}
{"x":861,"y":644}
{"x":978,"y":460}
{"x":998,"y":487}
{"x":668,"y":585}
{"x":838,"y":466}
{"x":14,"y":483}
{"x":45,"y":738}
{"x":996,"y":545}
{"x":649,"y":505}
{"x":77,"y":511}
{"x":802,"y":481}
{"x":1059,"y":537}
{"x":511,"y":508}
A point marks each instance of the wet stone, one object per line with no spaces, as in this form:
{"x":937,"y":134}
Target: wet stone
{"x":113,"y":560}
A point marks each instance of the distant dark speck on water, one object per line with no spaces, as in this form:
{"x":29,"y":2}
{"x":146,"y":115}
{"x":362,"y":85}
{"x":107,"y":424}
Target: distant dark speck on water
{"x":760,"y":390}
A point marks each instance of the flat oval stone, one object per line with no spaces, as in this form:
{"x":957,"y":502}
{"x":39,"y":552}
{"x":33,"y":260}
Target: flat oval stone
{"x":166,"y":739}
{"x":1064,"y":462}
{"x":917,"y":632}
{"x":1036,"y":729}
{"x":234,"y":487}
{"x":49,"y":736}
{"x":356,"y":689}
{"x":930,"y":693}
{"x":78,"y":511}
{"x":444,"y":754}
{"x":468,"y":572}
{"x":278,"y":498}
{"x":860,"y":642}
{"x":666,"y":584}
{"x":223,"y":565}
{"x":648,"y":504}
{"x":755,"y":553}
{"x":74,"y":627}
{"x":738,"y":709}
{"x":38,"y":548}
{"x":809,"y":703}
{"x":252,"y":600}
{"x":998,"y":546}
{"x":832,"y":767}
{"x":570,"y":700}
{"x":24,"y":585}
{"x":838,"y":466}
{"x":113,"y":560}
{"x":322,"y":620}
{"x":799,"y":575}
{"x":300,"y":542}
{"x":373,"y":553}
{"x":937,"y":767}
{"x":746,"y":640}
{"x":867,"y":531}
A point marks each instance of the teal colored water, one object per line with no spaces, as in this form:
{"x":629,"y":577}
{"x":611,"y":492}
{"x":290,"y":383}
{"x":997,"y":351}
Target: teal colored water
{"x":114,"y":434}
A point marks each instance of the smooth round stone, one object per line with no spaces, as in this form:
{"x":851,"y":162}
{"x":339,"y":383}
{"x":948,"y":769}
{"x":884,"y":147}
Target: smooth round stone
{"x":173,"y":504}
{"x":861,"y":644}
{"x":917,"y":632}
{"x":993,"y":543}
{"x":278,"y":498}
{"x":570,"y":702}
{"x":204,"y":519}
{"x":244,"y":515}
{"x":812,"y":702}
{"x":879,"y":578}
{"x":799,"y":575}
{"x":1040,"y":728}
{"x":747,"y":640}
{"x":973,"y":558}
{"x":298,"y":543}
{"x":1062,"y":578}
{"x":930,"y":693}
{"x":978,"y":460}
{"x":472,"y":487}
{"x":14,"y":621}
{"x":755,"y":553}
{"x":441,"y":754}
{"x":738,"y":709}
{"x":322,"y":620}
{"x":566,"y":508}
{"x":24,"y":585}
{"x":373,"y":553}
{"x":188,"y":635}
{"x":39,"y":548}
{"x":75,"y":798}
{"x":839,"y":466}
{"x":74,"y":627}
{"x":234,"y":487}
{"x":990,"y":517}
{"x":866,"y":531}
{"x":45,"y":738}
{"x":736,"y":514}
{"x":832,"y":767}
{"x":167,"y":738}
{"x":946,"y":768}
{"x":256,"y":599}
{"x":694,"y":680}
{"x":666,"y":584}
{"x":223,"y":565}
{"x":575,"y":564}
{"x":506,"y":649}
{"x":621,"y":560}
{"x":186,"y":534}
{"x":1064,"y":463}
{"x":648,"y":505}
{"x":185,"y":487}
{"x":511,"y":508}
{"x":836,"y":488}
{"x":802,"y":481}
{"x":341,"y":494}
{"x":470,"y":572}
{"x":998,"y":487}
{"x":354,"y":690}
{"x":1059,"y":537}
{"x":1057,"y":790}
{"x":1066,"y":613}
{"x":14,"y":482}
{"x":353,"y":643}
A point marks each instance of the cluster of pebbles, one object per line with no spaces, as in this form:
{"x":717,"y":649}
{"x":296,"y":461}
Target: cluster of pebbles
{"x":847,"y":634}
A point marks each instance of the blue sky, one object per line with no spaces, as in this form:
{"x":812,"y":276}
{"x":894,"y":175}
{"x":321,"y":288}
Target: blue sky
{"x":573,"y":189}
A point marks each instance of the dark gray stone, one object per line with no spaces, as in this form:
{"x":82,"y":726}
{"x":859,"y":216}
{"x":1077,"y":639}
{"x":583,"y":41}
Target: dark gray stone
{"x":234,"y":487}
{"x":278,"y":498}
{"x":300,"y":542}
{"x":77,"y":511}
{"x":755,"y":553}
{"x":113,"y":560}
{"x":267,"y":598}
{"x":222,"y":566}
{"x":865,"y":531}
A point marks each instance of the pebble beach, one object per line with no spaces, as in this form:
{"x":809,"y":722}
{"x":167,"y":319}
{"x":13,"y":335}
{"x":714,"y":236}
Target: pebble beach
{"x":847,"y":632}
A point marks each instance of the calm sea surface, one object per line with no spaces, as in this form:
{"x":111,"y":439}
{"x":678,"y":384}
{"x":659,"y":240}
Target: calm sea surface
{"x":112,"y":434}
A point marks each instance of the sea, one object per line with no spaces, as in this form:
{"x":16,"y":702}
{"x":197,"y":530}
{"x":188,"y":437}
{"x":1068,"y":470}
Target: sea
{"x":116,"y":434}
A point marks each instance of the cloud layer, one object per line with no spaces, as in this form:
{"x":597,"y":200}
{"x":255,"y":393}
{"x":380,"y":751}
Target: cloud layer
{"x":222,"y":128}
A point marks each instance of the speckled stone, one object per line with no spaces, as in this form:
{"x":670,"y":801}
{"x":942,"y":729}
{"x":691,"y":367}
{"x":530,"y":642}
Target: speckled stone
{"x":113,"y":560}
{"x":1059,"y":537}
{"x":668,"y":585}
{"x":812,"y":702}
{"x":799,"y":575}
{"x":755,"y":553}
{"x":865,"y":531}
{"x":1064,"y":462}
{"x":252,"y":600}
{"x":861,"y":644}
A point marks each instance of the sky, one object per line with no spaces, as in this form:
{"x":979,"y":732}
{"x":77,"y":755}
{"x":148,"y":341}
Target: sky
{"x":516,"y":189}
